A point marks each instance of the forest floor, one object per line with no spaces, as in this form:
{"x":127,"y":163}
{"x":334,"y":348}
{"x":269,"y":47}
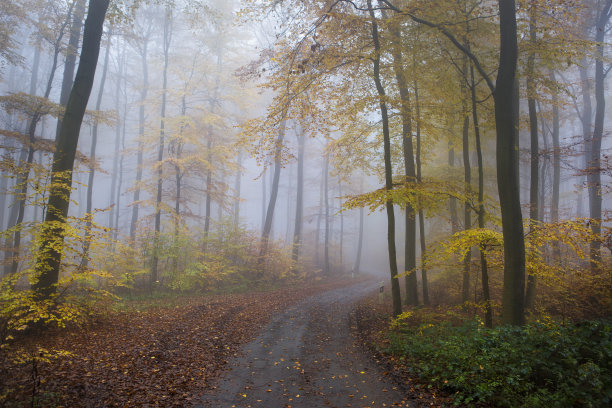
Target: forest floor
{"x":284,"y":348}
{"x":165,"y":352}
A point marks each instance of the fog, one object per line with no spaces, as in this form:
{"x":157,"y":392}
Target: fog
{"x":223,"y":109}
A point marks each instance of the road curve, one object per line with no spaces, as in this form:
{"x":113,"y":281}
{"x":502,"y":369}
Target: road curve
{"x":307,"y":357}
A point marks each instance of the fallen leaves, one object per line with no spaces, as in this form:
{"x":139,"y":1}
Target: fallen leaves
{"x":159,"y":357}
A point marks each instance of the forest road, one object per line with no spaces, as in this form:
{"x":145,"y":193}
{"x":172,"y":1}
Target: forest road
{"x":307,"y":357}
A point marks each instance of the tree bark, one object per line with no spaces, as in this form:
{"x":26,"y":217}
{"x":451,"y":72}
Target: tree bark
{"x":395,"y":290}
{"x":265,"y":236}
{"x":424,"y":284}
{"x":160,"y":151}
{"x":594,"y":164}
{"x":141,"y":128}
{"x":484,"y":272}
{"x":412,"y":296}
{"x":299,"y":205}
{"x":53,"y":229}
{"x":506,"y":123}
{"x":92,"y":162}
{"x":535,"y":151}
{"x":326,"y":269}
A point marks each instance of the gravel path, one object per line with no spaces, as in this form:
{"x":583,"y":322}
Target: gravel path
{"x":307,"y":357}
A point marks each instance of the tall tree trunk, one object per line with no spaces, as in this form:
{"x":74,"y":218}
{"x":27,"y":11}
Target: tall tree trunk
{"x":395,"y":289}
{"x":160,"y":151}
{"x":118,"y":125}
{"x":326,"y":269}
{"x":53,"y":229}
{"x":92,"y":162}
{"x":71,"y":54}
{"x":535,"y":151}
{"x":357,"y":267}
{"x":299,"y":205}
{"x":452,"y":202}
{"x":319,"y":218}
{"x":467,"y":177}
{"x":594,"y":164}
{"x":419,"y":180}
{"x":506,"y":124}
{"x":265,"y":236}
{"x":554,"y":207}
{"x":412,"y":297}
{"x":587,"y":127}
{"x":237,"y":190}
{"x":341,"y":225}
{"x":120,"y":182}
{"x":141,"y":129}
{"x":484,"y":272}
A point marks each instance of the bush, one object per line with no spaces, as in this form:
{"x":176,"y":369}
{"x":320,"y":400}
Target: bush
{"x":545,"y":364}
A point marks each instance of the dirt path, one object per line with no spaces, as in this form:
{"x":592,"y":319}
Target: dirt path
{"x":306,"y":357}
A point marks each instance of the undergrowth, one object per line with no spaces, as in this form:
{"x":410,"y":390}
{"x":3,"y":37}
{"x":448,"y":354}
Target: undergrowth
{"x":544,"y":364}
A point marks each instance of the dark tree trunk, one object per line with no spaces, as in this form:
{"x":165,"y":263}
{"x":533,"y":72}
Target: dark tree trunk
{"x":92,"y":162}
{"x":534,"y":188}
{"x":118,"y":125}
{"x":237,"y":191}
{"x":594,"y":161}
{"x":395,"y":289}
{"x":421,"y":212}
{"x":319,"y":218}
{"x":265,"y":236}
{"x":484,"y":272}
{"x":554,"y":207}
{"x":160,"y":151}
{"x":467,"y":177}
{"x":299,"y":205}
{"x":452,"y":202}
{"x":412,"y":296}
{"x":326,"y":270}
{"x":53,"y":231}
{"x":141,"y":128}
{"x":71,"y":54}
{"x":506,"y":123}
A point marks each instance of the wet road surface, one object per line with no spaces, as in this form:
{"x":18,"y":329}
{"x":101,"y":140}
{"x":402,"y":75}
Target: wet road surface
{"x":307,"y":357}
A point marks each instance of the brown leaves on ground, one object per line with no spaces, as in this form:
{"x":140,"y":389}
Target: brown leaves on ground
{"x":160,"y":357}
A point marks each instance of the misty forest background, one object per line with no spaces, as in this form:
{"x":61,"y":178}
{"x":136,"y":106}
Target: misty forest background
{"x":461,"y":145}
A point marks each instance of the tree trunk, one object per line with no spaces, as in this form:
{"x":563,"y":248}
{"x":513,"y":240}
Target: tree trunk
{"x":484,"y":272}
{"x":114,"y":175}
{"x":160,"y":151}
{"x":326,"y":270}
{"x":554,"y":207}
{"x":412,"y":296}
{"x":237,"y":191}
{"x":265,"y":236}
{"x":299,"y":205}
{"x":71,"y":54}
{"x":357,"y":267}
{"x":92,"y":162}
{"x":535,"y":152}
{"x":395,"y":290}
{"x":594,"y":164}
{"x":506,"y":123}
{"x":141,"y":129}
{"x":452,"y":202}
{"x":467,"y":177}
{"x":53,"y":229}
{"x":421,"y":212}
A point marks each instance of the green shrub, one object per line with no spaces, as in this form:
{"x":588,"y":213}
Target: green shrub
{"x":545,"y":364}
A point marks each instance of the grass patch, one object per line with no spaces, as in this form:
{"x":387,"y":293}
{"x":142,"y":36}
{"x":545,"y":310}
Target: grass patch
{"x":544,"y":364}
